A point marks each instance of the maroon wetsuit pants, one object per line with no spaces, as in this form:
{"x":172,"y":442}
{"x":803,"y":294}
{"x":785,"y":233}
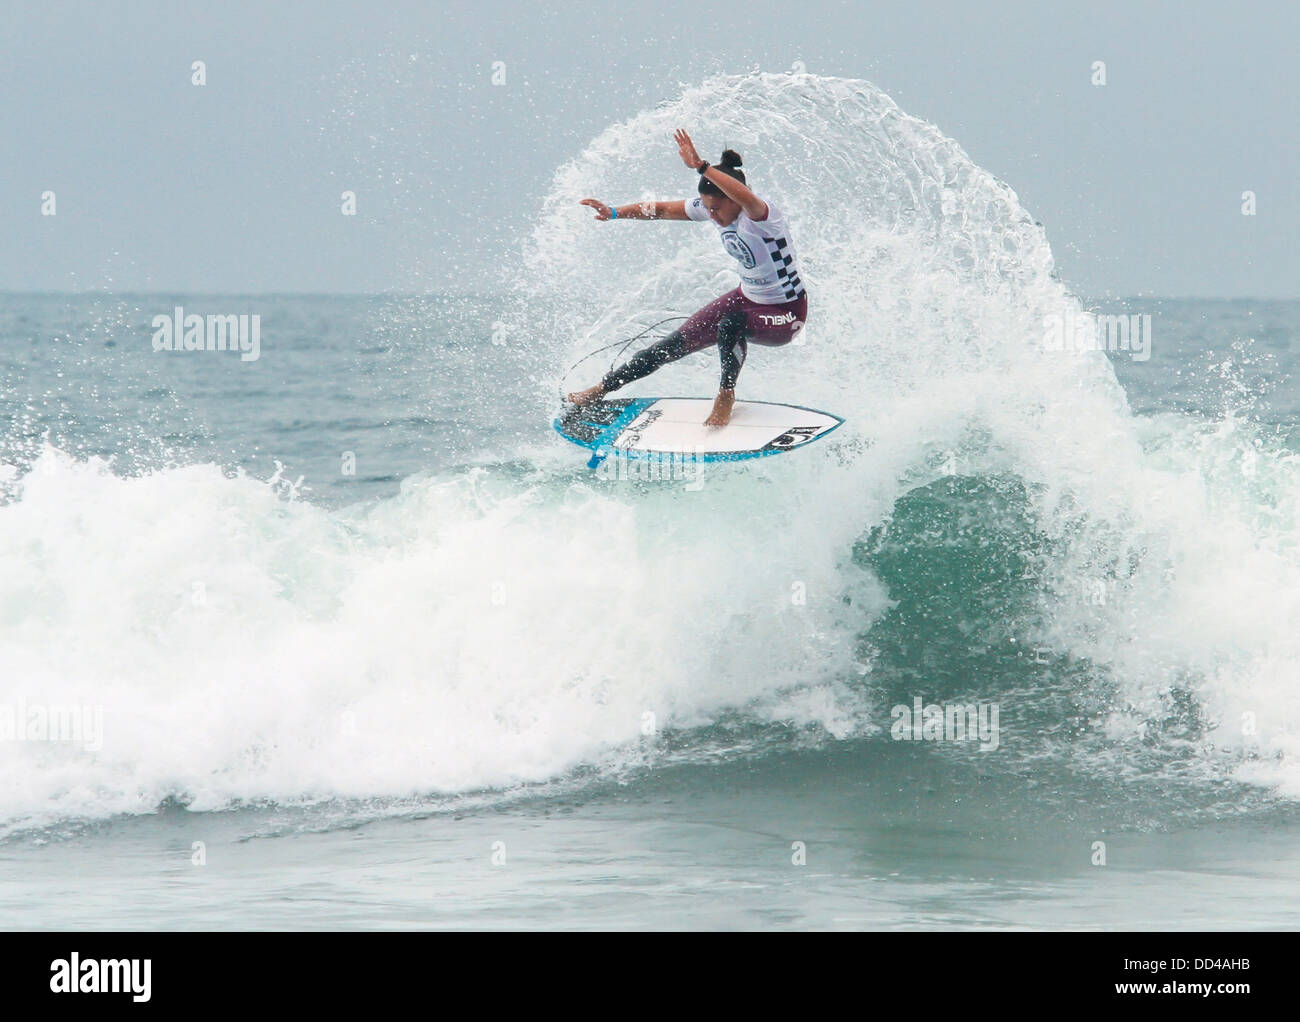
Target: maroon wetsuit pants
{"x":730,"y":322}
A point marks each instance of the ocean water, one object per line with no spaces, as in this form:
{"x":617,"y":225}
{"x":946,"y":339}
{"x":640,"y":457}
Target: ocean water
{"x":356,"y":640}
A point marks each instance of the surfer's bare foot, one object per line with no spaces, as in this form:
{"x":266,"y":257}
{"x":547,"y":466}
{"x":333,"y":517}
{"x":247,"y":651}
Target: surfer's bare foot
{"x":585,"y":397}
{"x":721,"y":408}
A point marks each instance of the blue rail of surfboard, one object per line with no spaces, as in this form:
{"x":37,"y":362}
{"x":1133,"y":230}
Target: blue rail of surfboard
{"x":604,"y":439}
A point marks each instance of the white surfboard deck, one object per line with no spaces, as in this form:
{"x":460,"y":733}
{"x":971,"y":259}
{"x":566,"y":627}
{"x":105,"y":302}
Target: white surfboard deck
{"x":649,"y":427}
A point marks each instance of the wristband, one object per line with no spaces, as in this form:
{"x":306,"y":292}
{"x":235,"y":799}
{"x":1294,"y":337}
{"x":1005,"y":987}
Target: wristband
{"x":702,"y":168}
{"x":613,"y":212}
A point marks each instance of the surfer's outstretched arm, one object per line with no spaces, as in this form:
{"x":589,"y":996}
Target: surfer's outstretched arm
{"x":675,"y":210}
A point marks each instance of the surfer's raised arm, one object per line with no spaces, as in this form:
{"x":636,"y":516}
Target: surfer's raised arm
{"x":737,"y":191}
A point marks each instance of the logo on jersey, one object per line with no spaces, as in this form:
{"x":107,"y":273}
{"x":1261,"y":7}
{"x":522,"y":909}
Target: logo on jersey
{"x":738,"y":250}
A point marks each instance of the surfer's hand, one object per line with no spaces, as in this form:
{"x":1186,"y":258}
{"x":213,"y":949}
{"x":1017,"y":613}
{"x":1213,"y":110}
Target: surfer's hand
{"x":686,"y":149}
{"x":603,"y":212}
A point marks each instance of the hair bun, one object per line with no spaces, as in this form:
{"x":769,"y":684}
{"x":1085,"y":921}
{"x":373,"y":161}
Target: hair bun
{"x":731,"y":158}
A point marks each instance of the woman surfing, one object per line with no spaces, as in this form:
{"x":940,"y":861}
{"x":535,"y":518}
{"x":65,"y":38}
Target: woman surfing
{"x":770,"y":307}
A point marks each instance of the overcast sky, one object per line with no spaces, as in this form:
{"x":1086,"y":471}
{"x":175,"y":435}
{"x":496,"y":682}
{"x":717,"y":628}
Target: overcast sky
{"x":234,"y":186}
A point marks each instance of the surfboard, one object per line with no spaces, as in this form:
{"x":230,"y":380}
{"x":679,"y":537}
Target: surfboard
{"x":663,"y":427}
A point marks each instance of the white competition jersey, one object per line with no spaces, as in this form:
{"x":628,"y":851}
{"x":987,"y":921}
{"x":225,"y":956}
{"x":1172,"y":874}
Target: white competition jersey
{"x":769,"y":269}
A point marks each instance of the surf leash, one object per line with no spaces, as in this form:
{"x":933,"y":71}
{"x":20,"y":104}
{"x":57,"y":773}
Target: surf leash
{"x":626,"y":343}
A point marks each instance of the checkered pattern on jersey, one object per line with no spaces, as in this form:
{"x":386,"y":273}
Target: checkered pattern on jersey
{"x":779,"y":250}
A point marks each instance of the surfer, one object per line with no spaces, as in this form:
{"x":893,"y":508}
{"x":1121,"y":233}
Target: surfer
{"x":770,"y":307}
